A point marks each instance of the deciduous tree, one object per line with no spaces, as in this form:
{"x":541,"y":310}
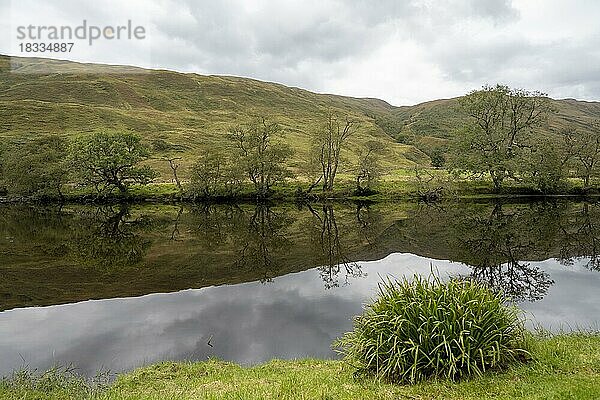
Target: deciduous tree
{"x":328,"y":143}
{"x":37,"y":167}
{"x":369,"y":168}
{"x":583,"y":150}
{"x":108,"y":161}
{"x":215,"y":174}
{"x":261,"y":155}
{"x":502,"y":120}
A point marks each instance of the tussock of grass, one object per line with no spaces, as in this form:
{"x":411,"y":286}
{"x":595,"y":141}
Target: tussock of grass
{"x":424,"y":328}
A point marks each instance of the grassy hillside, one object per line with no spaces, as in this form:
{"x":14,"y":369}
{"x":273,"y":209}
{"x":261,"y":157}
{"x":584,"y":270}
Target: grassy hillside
{"x":429,"y":125}
{"x":181,"y":114}
{"x":175,"y":112}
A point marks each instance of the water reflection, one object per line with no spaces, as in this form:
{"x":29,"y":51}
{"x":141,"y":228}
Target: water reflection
{"x":581,"y":237}
{"x":279,"y":280}
{"x":60,"y":255}
{"x":109,"y":237}
{"x":290,"y":317}
{"x":327,"y":248}
{"x":261,"y":241}
{"x":496,"y":243}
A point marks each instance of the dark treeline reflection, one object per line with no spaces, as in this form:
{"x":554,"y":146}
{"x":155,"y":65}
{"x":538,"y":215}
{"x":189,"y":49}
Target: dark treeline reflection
{"x":497,"y":243}
{"x":58,"y":255}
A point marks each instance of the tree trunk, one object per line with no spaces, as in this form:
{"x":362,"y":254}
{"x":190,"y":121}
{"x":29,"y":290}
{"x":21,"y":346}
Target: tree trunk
{"x":497,"y":179}
{"x":122,"y":188}
{"x":315,"y":183}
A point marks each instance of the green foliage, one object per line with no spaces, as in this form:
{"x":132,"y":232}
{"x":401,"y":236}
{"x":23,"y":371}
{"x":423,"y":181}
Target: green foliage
{"x":391,"y":124}
{"x":546,"y":166}
{"x":369,"y":166}
{"x":215,"y":174}
{"x":161,"y":145}
{"x":421,"y":329}
{"x":261,"y":155}
{"x":36,"y":168}
{"x":108,"y":161}
{"x":438,"y":159}
{"x":502,"y":120}
{"x":581,"y":151}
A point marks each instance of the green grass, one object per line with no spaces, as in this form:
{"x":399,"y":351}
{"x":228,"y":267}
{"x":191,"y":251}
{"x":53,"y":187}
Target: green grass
{"x":564,"y":367}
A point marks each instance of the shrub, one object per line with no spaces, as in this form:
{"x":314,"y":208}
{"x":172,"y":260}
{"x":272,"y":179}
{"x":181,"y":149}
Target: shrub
{"x":215,"y":174}
{"x":420,"y":329}
{"x":37,"y":167}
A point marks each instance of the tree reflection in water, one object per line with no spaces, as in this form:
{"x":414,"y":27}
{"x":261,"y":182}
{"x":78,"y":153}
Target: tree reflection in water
{"x":496,"y":244}
{"x":581,"y":237}
{"x":52,"y":256}
{"x":329,"y":252}
{"x":110,"y":238}
{"x":261,"y":241}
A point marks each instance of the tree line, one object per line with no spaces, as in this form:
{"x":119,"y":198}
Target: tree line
{"x":254,"y":154}
{"x":107,"y":162}
{"x":508,"y":137}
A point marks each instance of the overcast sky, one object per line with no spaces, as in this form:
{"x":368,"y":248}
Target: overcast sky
{"x":404,"y":52}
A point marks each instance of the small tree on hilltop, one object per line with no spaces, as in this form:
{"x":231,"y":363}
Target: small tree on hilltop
{"x":108,"y":161}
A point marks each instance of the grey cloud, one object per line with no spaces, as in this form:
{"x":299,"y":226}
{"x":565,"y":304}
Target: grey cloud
{"x":273,"y":42}
{"x":517,"y":61}
{"x":322,"y":44}
{"x":303,"y":44}
{"x":497,"y":10}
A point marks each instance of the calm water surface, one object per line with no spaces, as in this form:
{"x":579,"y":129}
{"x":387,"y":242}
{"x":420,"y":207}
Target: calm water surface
{"x":119,"y":287}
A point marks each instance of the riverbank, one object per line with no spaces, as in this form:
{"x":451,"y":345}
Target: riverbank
{"x":564,"y":367}
{"x":389,"y":190}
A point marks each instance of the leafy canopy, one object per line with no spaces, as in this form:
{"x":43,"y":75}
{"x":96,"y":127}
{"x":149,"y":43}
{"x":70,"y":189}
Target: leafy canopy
{"x":499,"y":132}
{"x":108,"y":161}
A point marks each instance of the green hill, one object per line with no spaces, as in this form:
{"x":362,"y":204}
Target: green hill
{"x":174,"y":111}
{"x":183,"y":113}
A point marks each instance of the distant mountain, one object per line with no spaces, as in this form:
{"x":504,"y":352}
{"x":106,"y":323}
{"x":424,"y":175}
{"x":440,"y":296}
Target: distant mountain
{"x":184,"y":113}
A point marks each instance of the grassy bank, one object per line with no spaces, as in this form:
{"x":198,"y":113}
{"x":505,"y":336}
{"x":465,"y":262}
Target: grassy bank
{"x":389,"y":189}
{"x":564,"y":367}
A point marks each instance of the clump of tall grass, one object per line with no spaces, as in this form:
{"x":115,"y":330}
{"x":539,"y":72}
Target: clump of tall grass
{"x":57,"y":382}
{"x":424,"y":328}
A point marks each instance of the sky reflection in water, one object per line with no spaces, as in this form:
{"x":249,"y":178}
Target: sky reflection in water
{"x":291,"y":317}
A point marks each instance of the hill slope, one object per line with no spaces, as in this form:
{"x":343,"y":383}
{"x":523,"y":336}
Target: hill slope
{"x":431,"y":124}
{"x":184,"y":113}
{"x":175,"y":111}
